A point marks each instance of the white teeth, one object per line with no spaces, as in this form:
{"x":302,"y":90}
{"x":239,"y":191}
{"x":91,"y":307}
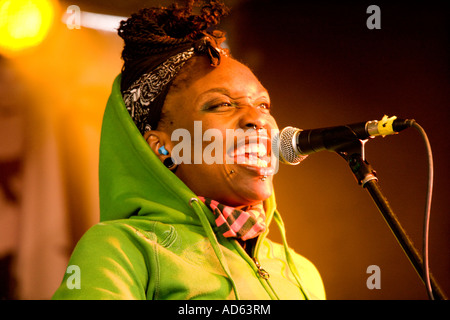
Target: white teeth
{"x":251,"y":154}
{"x":256,"y":149}
{"x":251,"y":159}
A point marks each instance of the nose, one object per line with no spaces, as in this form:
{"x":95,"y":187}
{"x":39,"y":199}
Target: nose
{"x":252,"y":118}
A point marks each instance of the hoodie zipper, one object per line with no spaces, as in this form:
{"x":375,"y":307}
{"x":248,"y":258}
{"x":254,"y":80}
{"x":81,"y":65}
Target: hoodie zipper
{"x":252,"y":254}
{"x":261,"y":271}
{"x":264,"y":278}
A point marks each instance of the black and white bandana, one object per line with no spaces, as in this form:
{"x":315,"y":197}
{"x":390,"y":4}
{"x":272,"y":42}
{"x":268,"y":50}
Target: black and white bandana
{"x":144,"y":90}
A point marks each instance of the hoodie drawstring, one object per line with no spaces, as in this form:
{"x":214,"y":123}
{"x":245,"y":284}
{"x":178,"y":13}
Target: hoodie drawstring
{"x":289,"y":259}
{"x":194,"y":203}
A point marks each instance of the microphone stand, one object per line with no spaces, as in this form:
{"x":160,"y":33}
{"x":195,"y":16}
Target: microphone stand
{"x":354,"y":154}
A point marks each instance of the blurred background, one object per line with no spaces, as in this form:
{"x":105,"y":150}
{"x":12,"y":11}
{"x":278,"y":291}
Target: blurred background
{"x":322,"y":66}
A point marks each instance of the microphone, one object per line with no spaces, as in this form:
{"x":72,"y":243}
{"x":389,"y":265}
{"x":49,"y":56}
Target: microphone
{"x":294,"y":145}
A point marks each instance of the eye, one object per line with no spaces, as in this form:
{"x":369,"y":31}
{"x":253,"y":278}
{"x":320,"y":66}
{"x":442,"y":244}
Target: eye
{"x":222,"y":106}
{"x":264,"y":105}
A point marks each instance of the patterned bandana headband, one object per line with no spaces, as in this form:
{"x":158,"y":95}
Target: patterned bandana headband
{"x":140,"y":95}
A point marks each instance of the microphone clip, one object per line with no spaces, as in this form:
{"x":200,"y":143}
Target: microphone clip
{"x":354,"y":154}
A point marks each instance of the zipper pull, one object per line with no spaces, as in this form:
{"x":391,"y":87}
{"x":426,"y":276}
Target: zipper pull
{"x":262,"y":273}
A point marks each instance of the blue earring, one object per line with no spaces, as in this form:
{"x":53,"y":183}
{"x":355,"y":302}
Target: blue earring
{"x":163,"y":151}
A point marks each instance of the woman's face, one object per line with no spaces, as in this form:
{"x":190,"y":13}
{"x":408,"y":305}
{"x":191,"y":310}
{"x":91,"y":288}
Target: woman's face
{"x":229,"y":103}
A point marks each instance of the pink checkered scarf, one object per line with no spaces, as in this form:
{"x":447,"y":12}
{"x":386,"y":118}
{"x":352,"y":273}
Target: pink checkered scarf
{"x":235,"y":223}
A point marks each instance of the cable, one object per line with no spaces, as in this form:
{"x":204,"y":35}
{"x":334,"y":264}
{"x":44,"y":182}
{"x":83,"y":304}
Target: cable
{"x":426,"y":225}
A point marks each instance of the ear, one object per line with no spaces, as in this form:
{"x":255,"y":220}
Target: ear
{"x":156,"y":139}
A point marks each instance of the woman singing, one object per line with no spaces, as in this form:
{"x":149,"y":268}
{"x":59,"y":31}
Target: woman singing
{"x":174,"y":224}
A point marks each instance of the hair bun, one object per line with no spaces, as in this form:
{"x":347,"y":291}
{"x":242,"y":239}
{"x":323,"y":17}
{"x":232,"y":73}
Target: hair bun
{"x":156,"y":30}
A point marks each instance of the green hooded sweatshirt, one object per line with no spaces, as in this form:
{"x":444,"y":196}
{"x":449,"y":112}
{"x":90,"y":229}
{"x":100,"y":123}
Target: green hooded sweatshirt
{"x":157,"y":241}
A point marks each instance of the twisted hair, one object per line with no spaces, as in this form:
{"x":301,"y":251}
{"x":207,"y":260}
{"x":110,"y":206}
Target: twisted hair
{"x":152,"y":35}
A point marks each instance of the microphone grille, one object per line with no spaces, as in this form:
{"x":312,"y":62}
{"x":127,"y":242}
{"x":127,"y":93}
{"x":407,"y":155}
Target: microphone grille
{"x":284,"y":144}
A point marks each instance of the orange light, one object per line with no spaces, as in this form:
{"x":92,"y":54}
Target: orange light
{"x":24,"y":23}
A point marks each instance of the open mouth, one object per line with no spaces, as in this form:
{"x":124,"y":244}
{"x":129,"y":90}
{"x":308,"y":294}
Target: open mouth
{"x":253,"y":151}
